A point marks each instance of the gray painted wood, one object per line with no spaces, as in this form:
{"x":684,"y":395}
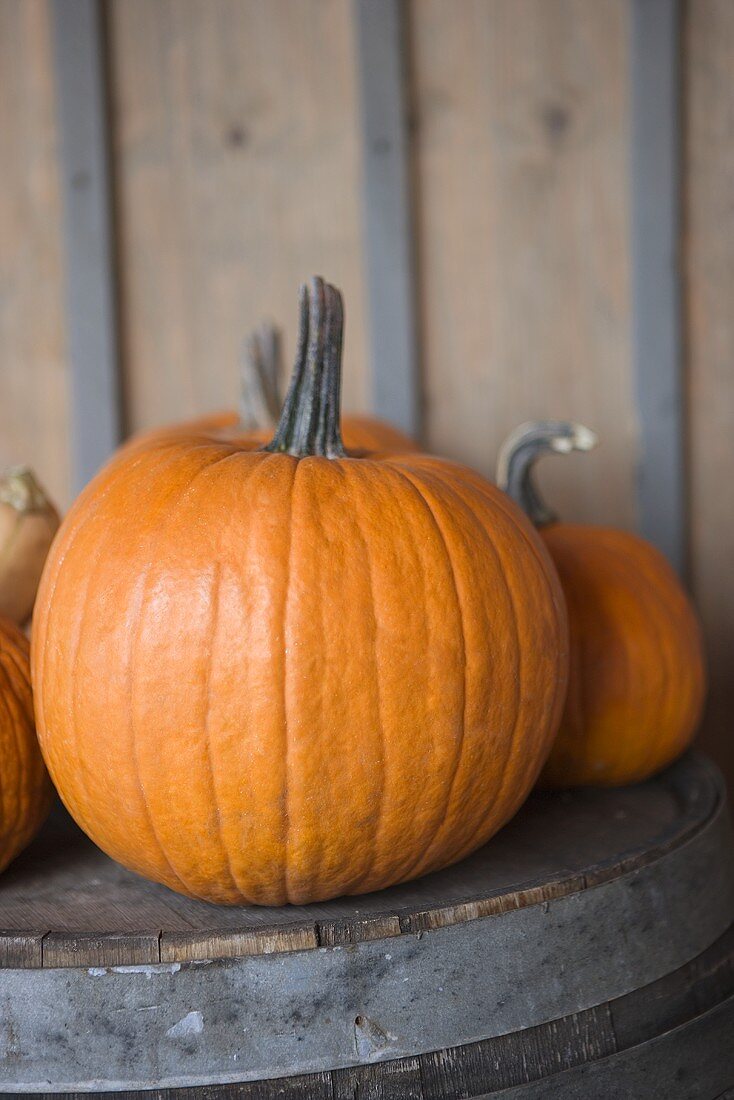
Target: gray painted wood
{"x":90,"y":297}
{"x":680,"y":1019}
{"x":656,"y":325}
{"x":313,"y":1009}
{"x":388,"y":243}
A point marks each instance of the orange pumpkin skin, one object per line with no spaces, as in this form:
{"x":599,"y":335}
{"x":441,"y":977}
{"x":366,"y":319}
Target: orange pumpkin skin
{"x":637,"y":679}
{"x":213,"y":422}
{"x":284,"y":674}
{"x":360,"y":433}
{"x":24,"y":782}
{"x":268,"y":679}
{"x":370,"y":434}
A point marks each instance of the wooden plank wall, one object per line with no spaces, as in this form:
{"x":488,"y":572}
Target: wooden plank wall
{"x":33,"y":361}
{"x":237,"y":174}
{"x":709,"y":291}
{"x":521,"y":110}
{"x":236,"y":167}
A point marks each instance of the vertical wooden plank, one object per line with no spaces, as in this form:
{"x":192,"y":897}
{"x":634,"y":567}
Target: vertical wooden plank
{"x":709,"y":283}
{"x":79,"y":50}
{"x":33,"y":370}
{"x":237,"y":176}
{"x":522,"y":149}
{"x":388,"y":243}
{"x":655,"y":275}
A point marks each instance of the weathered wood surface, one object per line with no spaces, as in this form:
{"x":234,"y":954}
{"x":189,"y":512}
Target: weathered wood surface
{"x":522,"y":167}
{"x":564,"y":909}
{"x":692,"y":1062}
{"x":670,"y":1040}
{"x":236,"y":144}
{"x":559,"y":844}
{"x":33,"y":369}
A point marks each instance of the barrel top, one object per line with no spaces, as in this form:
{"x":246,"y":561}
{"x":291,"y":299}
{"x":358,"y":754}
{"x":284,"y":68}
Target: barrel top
{"x":63,"y":902}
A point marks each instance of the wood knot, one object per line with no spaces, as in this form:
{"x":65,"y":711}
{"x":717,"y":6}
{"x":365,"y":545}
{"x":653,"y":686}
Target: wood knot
{"x":556,"y":119}
{"x":236,"y":137}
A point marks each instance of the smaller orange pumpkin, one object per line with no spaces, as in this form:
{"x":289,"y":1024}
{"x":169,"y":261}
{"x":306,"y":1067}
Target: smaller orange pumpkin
{"x":24,"y":782}
{"x":637,"y":679}
{"x":260,"y":404}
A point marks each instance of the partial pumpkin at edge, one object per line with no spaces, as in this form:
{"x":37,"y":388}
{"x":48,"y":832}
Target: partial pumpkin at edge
{"x":637,"y":672}
{"x":26,"y":788}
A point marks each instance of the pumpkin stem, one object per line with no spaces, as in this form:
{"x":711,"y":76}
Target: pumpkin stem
{"x":20,"y":488}
{"x":260,"y":400}
{"x":522,"y":449}
{"x":309,"y":422}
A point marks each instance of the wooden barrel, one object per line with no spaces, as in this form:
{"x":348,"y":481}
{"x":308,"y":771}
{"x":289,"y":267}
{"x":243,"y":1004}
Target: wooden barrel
{"x":587,"y":951}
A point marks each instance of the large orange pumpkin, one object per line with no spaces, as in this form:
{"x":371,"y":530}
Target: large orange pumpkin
{"x":24,"y":783}
{"x":260,"y":404}
{"x":285,"y":674}
{"x":637,"y":681}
